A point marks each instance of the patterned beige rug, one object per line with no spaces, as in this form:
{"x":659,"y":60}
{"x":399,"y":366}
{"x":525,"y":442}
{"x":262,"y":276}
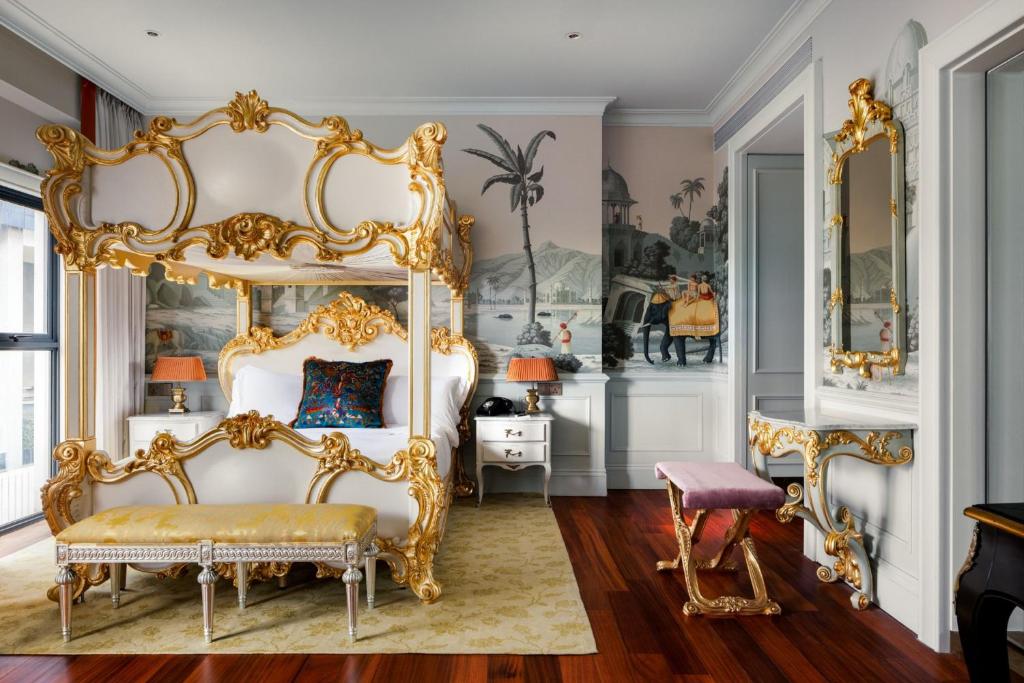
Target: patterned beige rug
{"x":509,"y":589}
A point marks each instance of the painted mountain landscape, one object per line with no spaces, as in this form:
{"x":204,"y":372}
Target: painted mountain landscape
{"x":568,"y":291}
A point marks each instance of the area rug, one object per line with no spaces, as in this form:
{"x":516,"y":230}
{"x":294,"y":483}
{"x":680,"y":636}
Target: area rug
{"x":508,"y":589}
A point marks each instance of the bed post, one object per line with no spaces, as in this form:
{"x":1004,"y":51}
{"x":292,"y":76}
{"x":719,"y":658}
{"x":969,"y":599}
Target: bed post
{"x":457,"y":313}
{"x":79,"y":358}
{"x":243,"y":308}
{"x":419,"y":353}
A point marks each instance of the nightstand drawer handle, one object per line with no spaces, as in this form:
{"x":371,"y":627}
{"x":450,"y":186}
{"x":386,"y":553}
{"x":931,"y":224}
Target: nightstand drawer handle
{"x":509,"y":432}
{"x":509,"y":453}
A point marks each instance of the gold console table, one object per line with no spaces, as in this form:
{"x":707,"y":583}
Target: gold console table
{"x":818,"y":441}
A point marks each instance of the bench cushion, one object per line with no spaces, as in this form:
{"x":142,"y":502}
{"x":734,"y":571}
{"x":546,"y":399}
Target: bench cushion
{"x":261,"y":523}
{"x":711,"y":485}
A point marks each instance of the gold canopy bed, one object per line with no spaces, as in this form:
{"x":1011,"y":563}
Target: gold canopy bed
{"x":250,"y":194}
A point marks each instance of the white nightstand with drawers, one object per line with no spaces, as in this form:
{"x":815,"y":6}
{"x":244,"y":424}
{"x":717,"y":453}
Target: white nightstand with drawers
{"x":513,"y":443}
{"x":182,"y":426}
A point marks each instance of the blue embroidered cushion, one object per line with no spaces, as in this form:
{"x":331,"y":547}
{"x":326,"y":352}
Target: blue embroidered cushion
{"x":342,"y":394}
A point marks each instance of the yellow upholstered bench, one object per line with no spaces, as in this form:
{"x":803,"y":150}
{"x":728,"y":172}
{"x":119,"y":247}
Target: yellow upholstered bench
{"x":206,"y":534}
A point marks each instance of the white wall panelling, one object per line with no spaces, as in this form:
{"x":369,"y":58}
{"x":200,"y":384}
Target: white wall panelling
{"x":655,"y":417}
{"x":577,"y":437}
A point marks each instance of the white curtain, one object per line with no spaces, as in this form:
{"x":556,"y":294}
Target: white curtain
{"x":121,"y":311}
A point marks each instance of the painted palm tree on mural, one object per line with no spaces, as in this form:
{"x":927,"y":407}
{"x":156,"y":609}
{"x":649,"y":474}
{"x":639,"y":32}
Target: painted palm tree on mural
{"x":691,"y":189}
{"x":493,"y":281}
{"x":525,"y":191}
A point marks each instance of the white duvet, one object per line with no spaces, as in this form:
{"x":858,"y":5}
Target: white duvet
{"x":279,"y":394}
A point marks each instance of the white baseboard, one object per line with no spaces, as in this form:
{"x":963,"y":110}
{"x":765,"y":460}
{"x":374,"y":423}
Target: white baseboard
{"x":579,"y":483}
{"x":633,"y":477}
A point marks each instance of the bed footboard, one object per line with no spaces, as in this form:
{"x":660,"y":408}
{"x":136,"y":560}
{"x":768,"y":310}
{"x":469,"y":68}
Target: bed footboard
{"x":253,"y":458}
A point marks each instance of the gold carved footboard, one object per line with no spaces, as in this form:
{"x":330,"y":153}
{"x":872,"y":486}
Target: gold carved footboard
{"x":411,"y":562}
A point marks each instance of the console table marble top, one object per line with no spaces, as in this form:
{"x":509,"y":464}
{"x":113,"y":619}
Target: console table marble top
{"x":821,"y":422}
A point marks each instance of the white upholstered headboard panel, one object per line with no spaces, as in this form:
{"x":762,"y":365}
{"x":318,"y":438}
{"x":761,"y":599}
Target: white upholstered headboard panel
{"x":346,"y":329}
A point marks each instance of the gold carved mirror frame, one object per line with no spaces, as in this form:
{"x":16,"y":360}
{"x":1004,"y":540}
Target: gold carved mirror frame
{"x":871,"y":122}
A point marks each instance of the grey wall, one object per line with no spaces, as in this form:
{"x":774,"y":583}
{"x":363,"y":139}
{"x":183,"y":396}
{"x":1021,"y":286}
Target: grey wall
{"x":34,"y":89}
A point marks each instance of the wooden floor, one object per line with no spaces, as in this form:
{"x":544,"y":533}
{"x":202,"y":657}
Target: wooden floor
{"x":634,"y":611}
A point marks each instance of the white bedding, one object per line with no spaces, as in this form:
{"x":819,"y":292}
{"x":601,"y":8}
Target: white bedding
{"x":279,"y":394}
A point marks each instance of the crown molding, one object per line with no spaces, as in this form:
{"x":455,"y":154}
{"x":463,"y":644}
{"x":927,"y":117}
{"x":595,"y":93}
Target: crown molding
{"x":400,"y":106}
{"x":780,"y":41}
{"x":32,"y":28}
{"x":678,"y":118}
{"x":20,"y":19}
{"x":16,"y":16}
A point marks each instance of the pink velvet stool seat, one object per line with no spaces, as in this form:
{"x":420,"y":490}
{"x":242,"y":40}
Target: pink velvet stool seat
{"x":704,"y":487}
{"x":720,"y":485}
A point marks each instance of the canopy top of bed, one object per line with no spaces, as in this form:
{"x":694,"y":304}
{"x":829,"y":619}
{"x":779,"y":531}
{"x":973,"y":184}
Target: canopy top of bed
{"x":254,"y":194}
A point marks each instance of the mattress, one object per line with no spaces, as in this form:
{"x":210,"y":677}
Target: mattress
{"x":380,"y":445}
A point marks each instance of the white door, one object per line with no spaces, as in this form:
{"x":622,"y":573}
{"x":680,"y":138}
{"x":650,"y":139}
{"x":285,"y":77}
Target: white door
{"x":775,"y":289}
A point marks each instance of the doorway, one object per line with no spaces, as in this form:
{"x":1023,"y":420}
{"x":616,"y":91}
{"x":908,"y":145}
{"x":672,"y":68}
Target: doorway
{"x":1004,"y":367}
{"x":775,"y":276}
{"x":957,"y":276}
{"x":782,"y":145}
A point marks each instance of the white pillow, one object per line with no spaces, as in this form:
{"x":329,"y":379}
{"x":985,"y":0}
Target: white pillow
{"x":266,"y":392}
{"x":445,"y":403}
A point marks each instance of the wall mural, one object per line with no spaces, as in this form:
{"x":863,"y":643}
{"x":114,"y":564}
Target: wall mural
{"x":667,"y":290}
{"x":538,"y":287}
{"x":901,"y":93}
{"x":545,"y":300}
{"x":194,"y":320}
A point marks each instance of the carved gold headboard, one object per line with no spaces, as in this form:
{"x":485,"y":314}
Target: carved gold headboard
{"x":348,"y":328}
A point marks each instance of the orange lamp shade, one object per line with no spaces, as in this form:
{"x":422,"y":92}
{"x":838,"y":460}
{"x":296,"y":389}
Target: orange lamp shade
{"x":531,"y":370}
{"x":178,"y":369}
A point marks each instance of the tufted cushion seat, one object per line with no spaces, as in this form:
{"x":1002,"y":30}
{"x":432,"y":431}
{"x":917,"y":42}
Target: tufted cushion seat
{"x":718,"y":485}
{"x":255,"y":523}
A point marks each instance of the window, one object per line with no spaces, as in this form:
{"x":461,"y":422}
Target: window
{"x":28,"y":355}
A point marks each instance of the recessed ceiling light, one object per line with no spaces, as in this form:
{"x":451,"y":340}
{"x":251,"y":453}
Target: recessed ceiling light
{"x":573,"y":35}
{"x":153,"y":34}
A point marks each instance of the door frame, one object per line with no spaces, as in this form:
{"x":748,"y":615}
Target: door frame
{"x":752,"y":241}
{"x":951,"y":440}
{"x":804,"y":90}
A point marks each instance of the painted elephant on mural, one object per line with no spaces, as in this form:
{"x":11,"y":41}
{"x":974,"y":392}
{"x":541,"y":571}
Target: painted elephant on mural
{"x":658,"y":313}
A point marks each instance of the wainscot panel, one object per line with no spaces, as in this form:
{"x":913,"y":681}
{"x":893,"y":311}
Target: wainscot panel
{"x":578,"y":437}
{"x":655,"y":417}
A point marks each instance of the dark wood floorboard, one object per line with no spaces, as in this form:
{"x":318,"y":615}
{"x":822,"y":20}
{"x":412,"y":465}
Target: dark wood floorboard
{"x":635,"y":613}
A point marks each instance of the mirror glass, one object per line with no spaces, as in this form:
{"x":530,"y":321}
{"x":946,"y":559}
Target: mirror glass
{"x":867,"y":267}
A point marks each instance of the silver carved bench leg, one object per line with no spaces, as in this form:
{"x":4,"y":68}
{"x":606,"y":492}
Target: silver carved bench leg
{"x":207,"y":579}
{"x":352,"y":577}
{"x":66,"y":583}
{"x":116,"y":583}
{"x":371,"y":574}
{"x":242,"y":576}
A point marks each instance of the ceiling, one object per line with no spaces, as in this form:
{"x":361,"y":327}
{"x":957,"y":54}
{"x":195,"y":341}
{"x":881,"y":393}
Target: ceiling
{"x":674,"y":55}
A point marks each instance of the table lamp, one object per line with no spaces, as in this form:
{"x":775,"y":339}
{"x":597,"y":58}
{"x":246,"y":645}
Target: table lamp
{"x":531,"y":370}
{"x":178,"y":369}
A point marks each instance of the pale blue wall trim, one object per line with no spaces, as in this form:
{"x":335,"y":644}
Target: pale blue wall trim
{"x":772,"y":87}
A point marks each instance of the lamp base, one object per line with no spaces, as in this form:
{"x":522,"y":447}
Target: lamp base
{"x":178,"y":399}
{"x":531,"y":402}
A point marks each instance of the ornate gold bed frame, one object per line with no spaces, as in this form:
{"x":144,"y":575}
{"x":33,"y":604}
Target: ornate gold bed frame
{"x":435,"y":243}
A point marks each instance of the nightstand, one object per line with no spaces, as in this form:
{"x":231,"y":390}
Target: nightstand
{"x":182,"y":426}
{"x":513,"y":443}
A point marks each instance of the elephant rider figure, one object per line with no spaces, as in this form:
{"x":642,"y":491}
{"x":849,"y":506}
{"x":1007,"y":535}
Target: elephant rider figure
{"x":690,"y":313}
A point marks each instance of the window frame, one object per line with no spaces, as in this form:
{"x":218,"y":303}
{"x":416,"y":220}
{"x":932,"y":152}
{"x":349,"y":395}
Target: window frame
{"x":34,"y":341}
